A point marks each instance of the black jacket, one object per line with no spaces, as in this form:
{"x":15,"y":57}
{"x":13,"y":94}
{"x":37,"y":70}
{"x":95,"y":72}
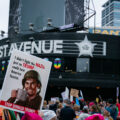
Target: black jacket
{"x":67,"y":113}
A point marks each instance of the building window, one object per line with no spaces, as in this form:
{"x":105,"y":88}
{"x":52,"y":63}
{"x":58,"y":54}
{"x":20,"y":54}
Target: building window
{"x":107,"y":10}
{"x":117,"y":6}
{"x":107,"y":19}
{"x":103,"y":13}
{"x":111,"y":7}
{"x":116,"y":23}
{"x":117,"y":15}
{"x":111,"y":24}
{"x":82,"y":65}
{"x":111,"y":16}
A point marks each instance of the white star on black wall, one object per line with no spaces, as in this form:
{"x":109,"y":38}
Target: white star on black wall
{"x":86,"y":47}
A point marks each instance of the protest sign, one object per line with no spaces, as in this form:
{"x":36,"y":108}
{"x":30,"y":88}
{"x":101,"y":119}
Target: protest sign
{"x":25,"y":82}
{"x":65,"y":94}
{"x":54,"y":99}
{"x":74,"y":92}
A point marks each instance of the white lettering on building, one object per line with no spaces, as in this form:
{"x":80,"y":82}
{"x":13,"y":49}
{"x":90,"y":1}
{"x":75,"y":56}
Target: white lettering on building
{"x":34,"y":47}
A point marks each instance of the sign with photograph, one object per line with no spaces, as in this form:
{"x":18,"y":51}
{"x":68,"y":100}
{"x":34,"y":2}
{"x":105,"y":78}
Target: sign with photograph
{"x":25,"y":82}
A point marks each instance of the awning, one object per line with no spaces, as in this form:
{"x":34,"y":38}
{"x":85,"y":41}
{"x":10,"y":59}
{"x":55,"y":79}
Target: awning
{"x":84,"y":80}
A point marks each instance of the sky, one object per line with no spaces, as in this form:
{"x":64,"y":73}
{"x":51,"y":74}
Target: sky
{"x":4,"y":12}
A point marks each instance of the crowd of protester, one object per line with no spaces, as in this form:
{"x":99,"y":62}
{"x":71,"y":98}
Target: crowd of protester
{"x":67,"y":110}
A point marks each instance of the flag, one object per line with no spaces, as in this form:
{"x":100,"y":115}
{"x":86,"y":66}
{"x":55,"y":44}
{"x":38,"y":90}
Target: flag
{"x":81,"y":94}
{"x":65,"y":94}
{"x":77,"y":101}
{"x":117,"y":93}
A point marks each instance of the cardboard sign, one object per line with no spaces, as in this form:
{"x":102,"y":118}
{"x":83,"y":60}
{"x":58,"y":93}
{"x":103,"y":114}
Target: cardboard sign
{"x":25,"y":82}
{"x":74,"y":92}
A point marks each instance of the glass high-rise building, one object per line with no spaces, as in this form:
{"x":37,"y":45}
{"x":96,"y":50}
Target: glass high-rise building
{"x":111,"y":13}
{"x":38,"y":12}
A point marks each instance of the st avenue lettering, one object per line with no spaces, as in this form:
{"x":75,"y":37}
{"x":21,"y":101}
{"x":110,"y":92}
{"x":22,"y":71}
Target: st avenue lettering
{"x":38,"y":47}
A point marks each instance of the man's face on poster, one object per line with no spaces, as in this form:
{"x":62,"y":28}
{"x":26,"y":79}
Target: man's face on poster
{"x":31,"y":86}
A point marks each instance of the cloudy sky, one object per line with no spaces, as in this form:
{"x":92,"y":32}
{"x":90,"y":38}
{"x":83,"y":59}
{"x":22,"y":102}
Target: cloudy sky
{"x":4,"y":10}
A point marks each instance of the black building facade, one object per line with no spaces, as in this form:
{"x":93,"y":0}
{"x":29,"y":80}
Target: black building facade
{"x":90,"y":62}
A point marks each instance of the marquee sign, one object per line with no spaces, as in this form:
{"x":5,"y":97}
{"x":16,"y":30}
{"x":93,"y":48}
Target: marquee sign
{"x":108,"y":31}
{"x":77,"y":48}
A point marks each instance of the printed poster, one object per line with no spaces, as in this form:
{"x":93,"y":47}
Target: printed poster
{"x":25,"y":82}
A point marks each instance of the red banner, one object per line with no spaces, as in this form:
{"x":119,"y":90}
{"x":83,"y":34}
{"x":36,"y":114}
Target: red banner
{"x":17,"y":107}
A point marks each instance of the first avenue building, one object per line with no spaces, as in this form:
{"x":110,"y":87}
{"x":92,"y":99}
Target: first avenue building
{"x":88,"y":62}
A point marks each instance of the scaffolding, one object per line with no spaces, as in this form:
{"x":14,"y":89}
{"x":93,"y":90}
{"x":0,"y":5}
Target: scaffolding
{"x":90,"y":12}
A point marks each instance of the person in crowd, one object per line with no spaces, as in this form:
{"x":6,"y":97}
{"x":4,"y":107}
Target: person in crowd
{"x":91,"y":104}
{"x":93,"y":109}
{"x":30,"y":116}
{"x":48,"y":115}
{"x":82,"y":103}
{"x":50,"y":103}
{"x":112,"y":109}
{"x":106,"y":115}
{"x":84,"y":114}
{"x":77,"y":110}
{"x":45,"y":106}
{"x":32,"y":85}
{"x":60,"y":106}
{"x":54,"y":106}
{"x":118,"y":105}
{"x":73,"y":102}
{"x":67,"y":113}
{"x":95,"y":117}
{"x":102,"y":106}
